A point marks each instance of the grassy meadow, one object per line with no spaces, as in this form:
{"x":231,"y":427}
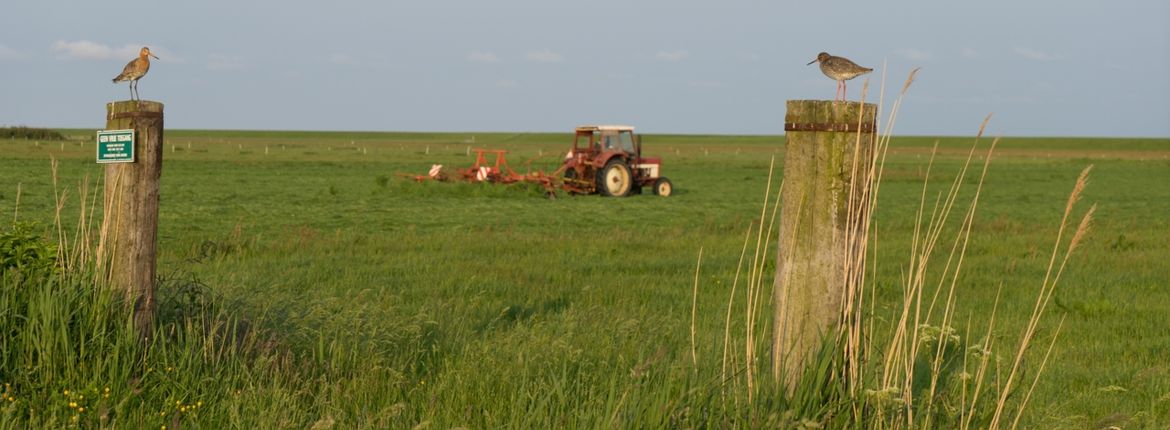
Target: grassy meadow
{"x":368,"y":300}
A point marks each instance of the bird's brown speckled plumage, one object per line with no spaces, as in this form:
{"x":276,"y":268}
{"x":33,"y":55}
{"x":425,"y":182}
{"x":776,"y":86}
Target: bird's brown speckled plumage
{"x":839,"y":69}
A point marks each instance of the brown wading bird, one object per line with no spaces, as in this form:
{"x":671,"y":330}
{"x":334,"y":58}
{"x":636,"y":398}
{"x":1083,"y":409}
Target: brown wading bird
{"x":135,"y":70}
{"x":839,"y":69}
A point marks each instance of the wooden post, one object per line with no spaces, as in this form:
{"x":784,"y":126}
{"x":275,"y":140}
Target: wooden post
{"x":822,"y":211}
{"x":126,"y":249}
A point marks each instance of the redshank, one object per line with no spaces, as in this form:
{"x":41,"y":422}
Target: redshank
{"x":135,"y":70}
{"x":839,"y":69}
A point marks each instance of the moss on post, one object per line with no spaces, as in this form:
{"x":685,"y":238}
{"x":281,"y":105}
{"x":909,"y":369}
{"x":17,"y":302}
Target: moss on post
{"x":827,"y":145}
{"x":129,"y":232}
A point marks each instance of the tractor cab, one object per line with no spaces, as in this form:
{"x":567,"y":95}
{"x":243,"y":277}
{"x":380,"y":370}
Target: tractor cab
{"x":601,"y":142}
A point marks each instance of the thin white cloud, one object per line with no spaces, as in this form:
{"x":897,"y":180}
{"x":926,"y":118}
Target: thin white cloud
{"x":544,"y":56}
{"x":483,"y":57}
{"x":7,"y":53}
{"x":912,"y":54}
{"x":87,"y":50}
{"x":220,"y":63}
{"x":83,"y":49}
{"x":342,"y":59}
{"x":672,"y":56}
{"x":1033,"y":54}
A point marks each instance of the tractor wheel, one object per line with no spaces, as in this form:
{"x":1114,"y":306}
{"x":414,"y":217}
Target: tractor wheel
{"x":663,"y":187}
{"x":615,"y":179}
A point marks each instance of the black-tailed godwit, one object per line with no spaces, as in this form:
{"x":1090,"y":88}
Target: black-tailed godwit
{"x":135,"y":70}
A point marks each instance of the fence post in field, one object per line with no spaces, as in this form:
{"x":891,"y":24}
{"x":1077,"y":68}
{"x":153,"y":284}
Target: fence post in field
{"x":823,"y":218}
{"x":126,"y":248}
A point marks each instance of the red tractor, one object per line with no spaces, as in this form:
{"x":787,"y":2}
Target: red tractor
{"x":608,"y":159}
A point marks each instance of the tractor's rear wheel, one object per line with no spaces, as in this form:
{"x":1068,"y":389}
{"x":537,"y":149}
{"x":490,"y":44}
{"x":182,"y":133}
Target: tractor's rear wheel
{"x":615,"y":179}
{"x":663,"y":187}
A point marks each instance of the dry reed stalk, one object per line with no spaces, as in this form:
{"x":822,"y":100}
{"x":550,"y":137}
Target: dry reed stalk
{"x":858,"y":207}
{"x":16,"y":207}
{"x":58,"y":204}
{"x":106,"y":249}
{"x":781,"y":313}
{"x":956,"y":186}
{"x":984,"y":359}
{"x":903,"y":347}
{"x":924,"y":248}
{"x":79,"y":232}
{"x":731,"y":303}
{"x":82,"y":236}
{"x":949,"y":303}
{"x":1040,"y":371}
{"x":695,"y":310}
{"x":1047,"y":288}
{"x":90,"y":257}
{"x":764,"y":256}
{"x":754,"y":273}
{"x":907,"y":294}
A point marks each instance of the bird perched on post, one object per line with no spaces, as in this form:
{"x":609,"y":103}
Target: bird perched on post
{"x":839,"y":69}
{"x":135,"y":70}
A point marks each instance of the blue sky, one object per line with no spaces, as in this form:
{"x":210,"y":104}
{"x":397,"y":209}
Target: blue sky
{"x":1043,"y":67}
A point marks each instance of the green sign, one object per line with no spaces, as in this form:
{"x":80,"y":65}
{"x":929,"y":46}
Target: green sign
{"x":115,"y":146}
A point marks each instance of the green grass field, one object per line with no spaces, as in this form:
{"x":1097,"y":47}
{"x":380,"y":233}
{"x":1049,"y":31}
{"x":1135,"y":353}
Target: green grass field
{"x":391,"y":303}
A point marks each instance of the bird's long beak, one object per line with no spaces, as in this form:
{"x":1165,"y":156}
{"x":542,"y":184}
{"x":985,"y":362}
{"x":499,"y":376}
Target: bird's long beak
{"x":152,"y":55}
{"x":810,"y":62}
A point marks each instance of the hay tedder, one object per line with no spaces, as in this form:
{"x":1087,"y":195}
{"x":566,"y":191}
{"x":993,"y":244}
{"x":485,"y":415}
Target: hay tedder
{"x":605,"y":159}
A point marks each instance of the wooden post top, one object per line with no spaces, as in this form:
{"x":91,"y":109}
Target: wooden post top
{"x":133,"y":109}
{"x":830,"y":116}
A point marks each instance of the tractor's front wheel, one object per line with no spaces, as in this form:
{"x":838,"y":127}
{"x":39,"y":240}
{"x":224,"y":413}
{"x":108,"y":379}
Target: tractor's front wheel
{"x":615,"y":179}
{"x":663,"y":187}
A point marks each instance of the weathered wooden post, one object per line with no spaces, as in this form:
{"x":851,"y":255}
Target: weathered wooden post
{"x":822,"y":215}
{"x":126,"y":248}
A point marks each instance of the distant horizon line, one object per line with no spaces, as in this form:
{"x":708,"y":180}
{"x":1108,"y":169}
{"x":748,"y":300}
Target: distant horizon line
{"x":781,"y":133}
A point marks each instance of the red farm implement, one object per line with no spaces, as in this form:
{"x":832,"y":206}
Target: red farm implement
{"x":604,"y":159}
